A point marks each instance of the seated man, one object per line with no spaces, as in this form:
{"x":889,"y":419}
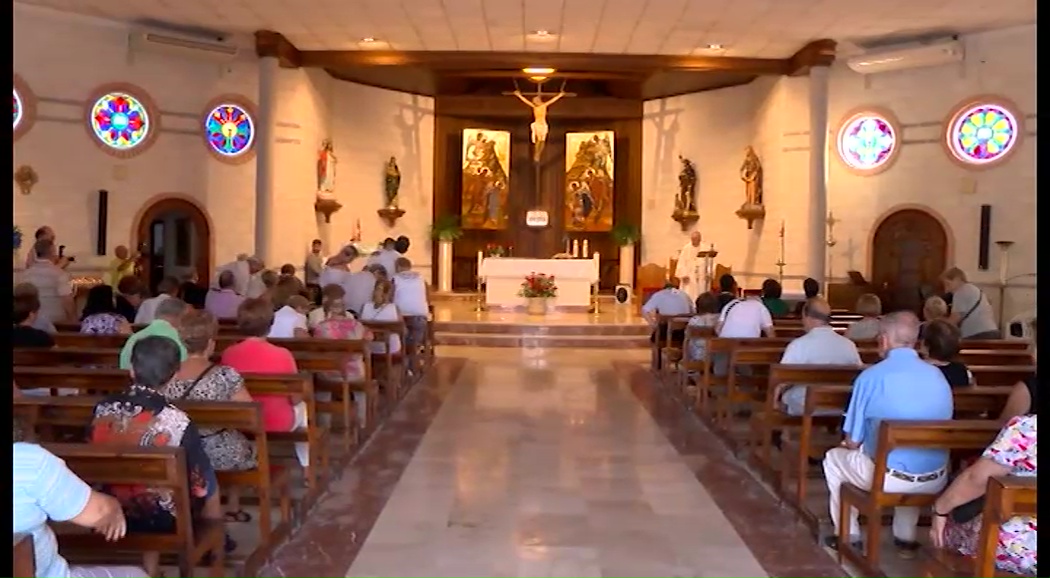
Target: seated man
{"x":821,"y":345}
{"x":740,"y":318}
{"x":726,"y":290}
{"x":412,"y":298}
{"x":222,"y":301}
{"x":668,"y":301}
{"x":901,"y":386}
{"x":168,"y":288}
{"x":166,"y":324}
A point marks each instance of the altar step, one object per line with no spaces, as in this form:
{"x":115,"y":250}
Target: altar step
{"x":560,"y":330}
{"x":542,"y":341}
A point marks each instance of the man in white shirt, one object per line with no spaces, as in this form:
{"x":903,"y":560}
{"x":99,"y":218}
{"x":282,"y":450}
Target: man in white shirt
{"x":255,"y":287}
{"x":387,"y":257}
{"x":54,"y":286}
{"x":820,"y":345}
{"x":668,"y":301}
{"x":358,"y":287}
{"x":411,"y":296}
{"x":166,"y":289}
{"x":741,"y":318}
{"x":971,"y":310}
{"x":290,"y":320}
{"x":239,"y":268}
{"x":689,"y":268}
{"x":337,"y":268}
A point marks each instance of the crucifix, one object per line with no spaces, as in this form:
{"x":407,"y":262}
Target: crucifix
{"x":539,"y":112}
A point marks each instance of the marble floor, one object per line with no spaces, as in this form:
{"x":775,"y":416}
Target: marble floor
{"x":546,"y":463}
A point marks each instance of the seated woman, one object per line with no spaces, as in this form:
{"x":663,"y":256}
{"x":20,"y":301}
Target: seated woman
{"x":328,"y":292}
{"x":771,"y":292}
{"x":257,"y":355}
{"x":40,"y":322}
{"x":1023,"y":397}
{"x":200,"y":378}
{"x":45,"y":489}
{"x":269,"y":280}
{"x":933,"y":308}
{"x":940,"y":345}
{"x":130,"y":294}
{"x":338,"y":324}
{"x":869,"y":306}
{"x":288,"y":276}
{"x":382,"y":308}
{"x":100,"y":315}
{"x":26,"y":309}
{"x":141,"y":416}
{"x":956,"y":523}
{"x":706,"y":316}
{"x":289,"y":320}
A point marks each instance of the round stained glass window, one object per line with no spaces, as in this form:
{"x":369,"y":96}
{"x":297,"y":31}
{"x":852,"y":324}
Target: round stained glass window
{"x":868,"y":141}
{"x":230,"y":130}
{"x":18,"y":108}
{"x":982,"y":133}
{"x":24,"y":103}
{"x":120,"y":121}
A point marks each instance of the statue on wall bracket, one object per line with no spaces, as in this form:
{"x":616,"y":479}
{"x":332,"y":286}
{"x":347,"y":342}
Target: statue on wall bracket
{"x":685,"y":203}
{"x":751,"y":173}
{"x":325,"y":203}
{"x":391,"y":186}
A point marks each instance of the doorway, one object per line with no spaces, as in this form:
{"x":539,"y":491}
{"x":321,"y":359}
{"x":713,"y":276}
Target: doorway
{"x":174,"y":235}
{"x":909,"y":252}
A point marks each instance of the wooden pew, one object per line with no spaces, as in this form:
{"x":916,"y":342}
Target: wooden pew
{"x":152,"y":467}
{"x":973,"y":435}
{"x":23,"y":557}
{"x":672,"y":350}
{"x":1006,"y":497}
{"x":67,"y":356}
{"x":686,"y":365}
{"x":390,"y":368}
{"x":657,"y":346}
{"x":49,"y":417}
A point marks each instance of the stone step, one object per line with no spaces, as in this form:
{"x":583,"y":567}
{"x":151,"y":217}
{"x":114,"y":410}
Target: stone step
{"x":545,"y":329}
{"x":542,"y":341}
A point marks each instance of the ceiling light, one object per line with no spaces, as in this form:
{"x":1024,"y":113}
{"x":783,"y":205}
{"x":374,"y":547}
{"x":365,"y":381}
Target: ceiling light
{"x":538,"y":70}
{"x":541,"y":34}
{"x":368,"y":40}
{"x":715,"y":47}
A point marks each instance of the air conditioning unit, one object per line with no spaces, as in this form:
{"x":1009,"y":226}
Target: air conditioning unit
{"x":182,"y":45}
{"x":905,"y":57}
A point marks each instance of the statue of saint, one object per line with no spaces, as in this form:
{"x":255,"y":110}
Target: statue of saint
{"x":751,"y":174}
{"x":393,"y":183}
{"x":686,"y":201}
{"x":539,"y":113}
{"x":326,"y":162}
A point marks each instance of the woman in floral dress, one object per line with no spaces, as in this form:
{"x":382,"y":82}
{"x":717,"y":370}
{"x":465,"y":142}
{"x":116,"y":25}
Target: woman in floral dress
{"x":1012,"y":453}
{"x":100,"y":315}
{"x":340,"y":325}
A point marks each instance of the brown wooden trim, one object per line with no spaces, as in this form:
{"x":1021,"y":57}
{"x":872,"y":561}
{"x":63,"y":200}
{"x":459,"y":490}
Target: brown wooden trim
{"x":816,"y":53}
{"x":273,"y":44}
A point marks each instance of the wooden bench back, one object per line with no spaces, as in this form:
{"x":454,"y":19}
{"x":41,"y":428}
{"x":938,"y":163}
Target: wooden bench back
{"x":969,"y":402}
{"x":67,"y":356}
{"x":1006,"y":497}
{"x":952,"y":434}
{"x":86,"y":340}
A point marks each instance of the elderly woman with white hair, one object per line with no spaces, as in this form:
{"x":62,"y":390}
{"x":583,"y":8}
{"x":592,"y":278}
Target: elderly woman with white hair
{"x":933,"y":309}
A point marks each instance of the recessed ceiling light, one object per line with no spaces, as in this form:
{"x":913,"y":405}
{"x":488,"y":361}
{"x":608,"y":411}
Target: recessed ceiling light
{"x":368,"y":40}
{"x":541,"y":34}
{"x":538,"y":70}
{"x":715,"y":47}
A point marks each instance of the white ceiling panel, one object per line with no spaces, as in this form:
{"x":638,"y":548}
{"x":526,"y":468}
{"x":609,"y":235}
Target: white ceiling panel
{"x":758,"y":28}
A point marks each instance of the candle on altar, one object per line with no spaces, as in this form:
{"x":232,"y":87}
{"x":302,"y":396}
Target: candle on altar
{"x":481,"y":257}
{"x":575,"y":248}
{"x":568,"y":248}
{"x":585,"y":254}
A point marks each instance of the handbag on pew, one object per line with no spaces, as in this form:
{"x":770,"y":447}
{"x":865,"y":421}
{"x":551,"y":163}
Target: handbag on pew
{"x":968,"y":511}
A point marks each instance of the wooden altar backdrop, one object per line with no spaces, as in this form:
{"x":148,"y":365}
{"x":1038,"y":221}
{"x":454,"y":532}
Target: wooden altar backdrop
{"x":580,"y":114}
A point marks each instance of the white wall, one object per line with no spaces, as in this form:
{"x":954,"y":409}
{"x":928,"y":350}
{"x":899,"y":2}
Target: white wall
{"x":712,"y":128}
{"x":63,"y":58}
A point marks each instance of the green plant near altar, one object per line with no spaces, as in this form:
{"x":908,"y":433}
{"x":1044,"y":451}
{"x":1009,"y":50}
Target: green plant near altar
{"x":446,"y":228}
{"x":538,"y":285}
{"x":625,"y":234}
{"x":497,"y":250}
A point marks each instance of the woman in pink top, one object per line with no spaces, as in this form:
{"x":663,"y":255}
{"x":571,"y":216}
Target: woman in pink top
{"x":257,"y":355}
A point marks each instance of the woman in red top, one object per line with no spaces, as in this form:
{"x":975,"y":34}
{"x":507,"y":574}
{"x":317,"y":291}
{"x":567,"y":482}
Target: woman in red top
{"x":257,"y":355}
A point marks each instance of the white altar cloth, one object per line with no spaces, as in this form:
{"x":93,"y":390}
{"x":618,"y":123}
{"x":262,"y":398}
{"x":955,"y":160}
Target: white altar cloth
{"x":504,"y":275}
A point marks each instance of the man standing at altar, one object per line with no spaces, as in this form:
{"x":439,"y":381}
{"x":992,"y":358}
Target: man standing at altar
{"x":690,"y":268}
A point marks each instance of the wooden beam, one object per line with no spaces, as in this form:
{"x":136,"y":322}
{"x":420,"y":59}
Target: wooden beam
{"x":514,"y":61}
{"x":509,"y":107}
{"x":273,"y":44}
{"x":816,"y":53}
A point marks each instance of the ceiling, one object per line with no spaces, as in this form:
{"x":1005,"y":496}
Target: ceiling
{"x":751,"y":28}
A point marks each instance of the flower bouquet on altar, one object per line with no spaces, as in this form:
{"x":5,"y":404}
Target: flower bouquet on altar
{"x":537,"y":288}
{"x":495,"y":250}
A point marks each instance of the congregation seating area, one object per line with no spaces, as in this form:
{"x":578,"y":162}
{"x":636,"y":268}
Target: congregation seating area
{"x":276,"y":495}
{"x":785,"y":451}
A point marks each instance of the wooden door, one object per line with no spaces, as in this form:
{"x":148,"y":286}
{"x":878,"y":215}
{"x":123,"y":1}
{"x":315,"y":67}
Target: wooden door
{"x":155,"y":249}
{"x":909,"y":253}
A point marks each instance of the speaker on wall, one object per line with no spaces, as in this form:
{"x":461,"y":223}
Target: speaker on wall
{"x":985,"y":237}
{"x":103,"y":217}
{"x":623,"y":294}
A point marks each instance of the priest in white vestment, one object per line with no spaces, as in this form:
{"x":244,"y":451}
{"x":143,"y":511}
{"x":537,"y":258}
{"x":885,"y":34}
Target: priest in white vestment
{"x":690,"y":269}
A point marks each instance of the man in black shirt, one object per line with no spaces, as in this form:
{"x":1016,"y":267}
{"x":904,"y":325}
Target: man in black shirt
{"x":24,"y":334}
{"x":727,"y":286}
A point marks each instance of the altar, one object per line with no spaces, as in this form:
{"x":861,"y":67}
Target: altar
{"x":503,"y":277}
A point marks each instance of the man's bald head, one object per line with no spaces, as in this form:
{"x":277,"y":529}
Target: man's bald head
{"x":898,"y":329}
{"x":816,"y":313}
{"x":695,"y":238}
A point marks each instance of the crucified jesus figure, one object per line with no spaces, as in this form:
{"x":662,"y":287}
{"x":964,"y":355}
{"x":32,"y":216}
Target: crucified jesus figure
{"x":539,"y":112}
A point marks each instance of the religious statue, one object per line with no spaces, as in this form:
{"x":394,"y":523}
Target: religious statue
{"x":751,"y":173}
{"x":326,"y":162}
{"x":392,"y":183}
{"x":539,"y":113}
{"x":685,"y":203}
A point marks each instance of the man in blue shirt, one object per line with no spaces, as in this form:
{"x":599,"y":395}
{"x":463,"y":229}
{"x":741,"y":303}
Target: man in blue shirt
{"x":668,"y":301}
{"x":900,"y":387}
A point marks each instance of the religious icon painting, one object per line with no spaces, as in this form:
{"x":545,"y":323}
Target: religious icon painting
{"x":983,"y":131}
{"x":122,"y":119}
{"x":229,"y":128}
{"x":486,"y":171}
{"x":24,"y":107}
{"x":868,"y":141}
{"x":589,"y":163}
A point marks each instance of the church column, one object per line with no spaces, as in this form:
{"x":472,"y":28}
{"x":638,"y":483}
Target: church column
{"x":266,"y":127}
{"x":818,"y":193}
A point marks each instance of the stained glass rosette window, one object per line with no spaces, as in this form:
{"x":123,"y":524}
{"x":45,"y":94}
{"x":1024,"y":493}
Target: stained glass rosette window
{"x":19,"y":108}
{"x":24,"y":107}
{"x":867,"y":141}
{"x":120,"y":121}
{"x":982,"y":133}
{"x":230,"y":130}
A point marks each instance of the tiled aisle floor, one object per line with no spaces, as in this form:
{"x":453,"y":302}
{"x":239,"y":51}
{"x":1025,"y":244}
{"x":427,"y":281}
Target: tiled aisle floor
{"x":546,"y":463}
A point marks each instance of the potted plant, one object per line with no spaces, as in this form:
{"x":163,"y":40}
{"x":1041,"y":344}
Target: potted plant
{"x":17,"y":244}
{"x":537,"y":288}
{"x":626,"y":235}
{"x":445,"y":230}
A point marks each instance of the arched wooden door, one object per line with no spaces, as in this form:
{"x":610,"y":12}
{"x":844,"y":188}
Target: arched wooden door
{"x":175,"y":236}
{"x":909,"y":252}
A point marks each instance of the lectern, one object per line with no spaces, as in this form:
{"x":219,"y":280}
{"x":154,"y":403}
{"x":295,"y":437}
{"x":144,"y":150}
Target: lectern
{"x":709,"y":263}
